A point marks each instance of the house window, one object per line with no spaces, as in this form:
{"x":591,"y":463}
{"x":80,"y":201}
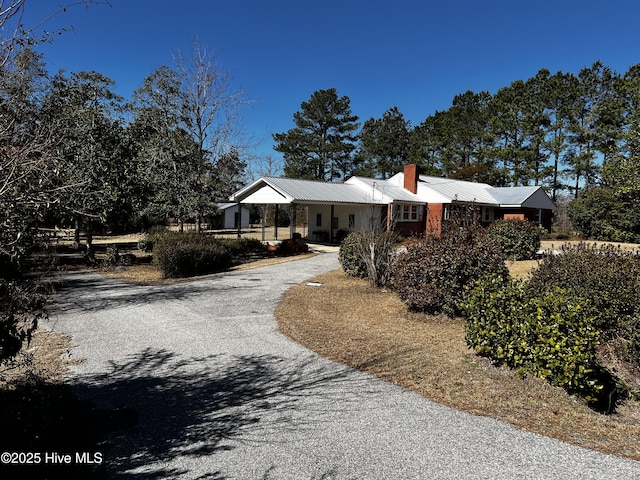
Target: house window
{"x":334,"y":223}
{"x":487,"y":214}
{"x":352,"y":221}
{"x":538,"y":219}
{"x":446,"y":212}
{"x":318,"y":219}
{"x":410,"y":213}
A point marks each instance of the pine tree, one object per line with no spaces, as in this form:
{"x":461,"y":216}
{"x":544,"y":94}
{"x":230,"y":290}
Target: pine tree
{"x":321,"y":145}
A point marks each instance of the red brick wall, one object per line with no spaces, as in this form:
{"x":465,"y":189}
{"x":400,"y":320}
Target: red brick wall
{"x":434,"y":218}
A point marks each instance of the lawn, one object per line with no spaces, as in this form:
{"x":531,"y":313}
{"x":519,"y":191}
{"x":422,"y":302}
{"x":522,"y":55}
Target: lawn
{"x":370,"y":329}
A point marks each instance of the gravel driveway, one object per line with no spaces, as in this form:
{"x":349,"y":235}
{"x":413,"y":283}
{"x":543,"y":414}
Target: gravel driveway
{"x":213,"y":391}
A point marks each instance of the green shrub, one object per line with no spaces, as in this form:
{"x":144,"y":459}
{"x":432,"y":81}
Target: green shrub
{"x":292,"y":246}
{"x":145,"y":244}
{"x":187,"y":254}
{"x":238,"y":247}
{"x":349,"y":256}
{"x":431,"y":275}
{"x":603,"y":213}
{"x":553,"y":336}
{"x":518,"y":239}
{"x":610,"y":278}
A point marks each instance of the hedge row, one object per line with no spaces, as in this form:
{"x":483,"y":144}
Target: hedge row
{"x":188,"y":254}
{"x":552,"y":336}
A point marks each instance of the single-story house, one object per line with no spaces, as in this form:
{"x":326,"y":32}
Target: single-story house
{"x":228,"y":217}
{"x":410,"y":203}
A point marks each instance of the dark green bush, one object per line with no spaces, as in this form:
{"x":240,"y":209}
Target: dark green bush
{"x":244,"y":246}
{"x":518,"y":239}
{"x":292,"y":246}
{"x":610,"y":278}
{"x":431,"y":275}
{"x":145,"y":244}
{"x":552,"y":336}
{"x":187,"y":254}
{"x":349,"y":255}
{"x":603,"y":213}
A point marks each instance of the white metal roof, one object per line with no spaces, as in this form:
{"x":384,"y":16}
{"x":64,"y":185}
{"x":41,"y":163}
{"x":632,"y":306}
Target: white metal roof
{"x":459,"y":190}
{"x":369,"y":191}
{"x":384,"y":191}
{"x":292,"y":190}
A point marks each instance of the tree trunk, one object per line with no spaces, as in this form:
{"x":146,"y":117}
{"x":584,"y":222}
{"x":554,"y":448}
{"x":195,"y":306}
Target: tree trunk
{"x":89,"y":253}
{"x":76,"y":234}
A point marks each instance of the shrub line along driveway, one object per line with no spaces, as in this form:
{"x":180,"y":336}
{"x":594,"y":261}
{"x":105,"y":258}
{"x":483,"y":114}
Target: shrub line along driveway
{"x":217,"y":393}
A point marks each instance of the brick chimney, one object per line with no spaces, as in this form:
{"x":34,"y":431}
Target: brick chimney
{"x":411,"y":177}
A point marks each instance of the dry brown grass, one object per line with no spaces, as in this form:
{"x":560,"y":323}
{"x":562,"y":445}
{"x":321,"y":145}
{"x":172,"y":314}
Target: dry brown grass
{"x":348,"y":321}
{"x":45,"y":359}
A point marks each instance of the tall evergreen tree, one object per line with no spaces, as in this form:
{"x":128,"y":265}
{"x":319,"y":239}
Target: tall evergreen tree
{"x":509,"y":123}
{"x":594,"y":113}
{"x":629,"y":152}
{"x":422,"y":149}
{"x":457,"y":141}
{"x":384,"y":144}
{"x":561,"y":90}
{"x":321,"y":144}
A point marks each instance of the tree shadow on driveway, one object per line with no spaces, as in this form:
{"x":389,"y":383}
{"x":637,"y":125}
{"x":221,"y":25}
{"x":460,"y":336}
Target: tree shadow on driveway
{"x":89,"y":292}
{"x":156,"y":415}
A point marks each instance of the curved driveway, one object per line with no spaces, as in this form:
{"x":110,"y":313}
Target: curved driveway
{"x":212,"y":390}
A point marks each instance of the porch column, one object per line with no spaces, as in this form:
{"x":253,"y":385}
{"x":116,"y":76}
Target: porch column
{"x":239,"y":220}
{"x":292,"y":217}
{"x":264,"y":221}
{"x":275,"y":223}
{"x":389,"y":216}
{"x":331,"y":224}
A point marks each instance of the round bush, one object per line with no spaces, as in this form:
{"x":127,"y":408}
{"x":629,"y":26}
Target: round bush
{"x":433,"y":276}
{"x":517,"y":239}
{"x":349,"y":255}
{"x":187,"y":254}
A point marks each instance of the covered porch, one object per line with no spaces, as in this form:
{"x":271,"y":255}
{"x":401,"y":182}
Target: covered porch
{"x":318,"y":211}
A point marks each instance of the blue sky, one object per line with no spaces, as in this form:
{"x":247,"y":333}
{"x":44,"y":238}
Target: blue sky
{"x":416,"y":55}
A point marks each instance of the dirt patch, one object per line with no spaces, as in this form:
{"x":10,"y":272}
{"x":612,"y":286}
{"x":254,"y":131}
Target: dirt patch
{"x":348,"y":321}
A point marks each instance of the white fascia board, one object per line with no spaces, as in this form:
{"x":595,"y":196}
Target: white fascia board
{"x":240,"y":194}
{"x":260,"y":192}
{"x":266,"y":195}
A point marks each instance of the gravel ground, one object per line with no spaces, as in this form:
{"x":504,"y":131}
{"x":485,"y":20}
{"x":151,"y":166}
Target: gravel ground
{"x":204,"y":387}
